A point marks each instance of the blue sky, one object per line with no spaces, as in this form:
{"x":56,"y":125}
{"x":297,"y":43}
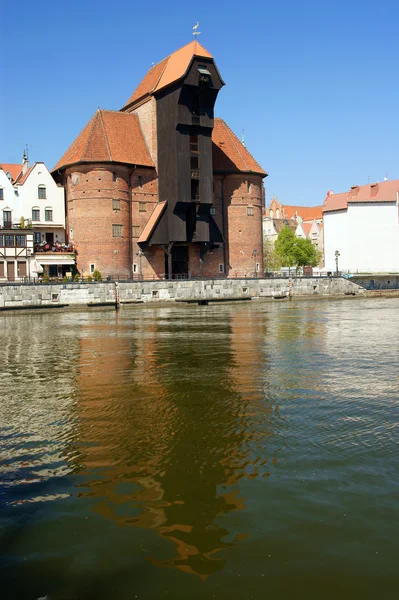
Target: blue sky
{"x":315,"y":85}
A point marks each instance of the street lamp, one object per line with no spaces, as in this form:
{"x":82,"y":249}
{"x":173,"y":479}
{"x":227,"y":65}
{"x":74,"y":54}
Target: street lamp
{"x":140,"y":253}
{"x":337,"y":255}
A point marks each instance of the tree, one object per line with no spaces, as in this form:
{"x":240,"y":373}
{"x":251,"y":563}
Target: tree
{"x":306,"y":254}
{"x":285,"y":247}
{"x":296,"y":252}
{"x":271,"y":260}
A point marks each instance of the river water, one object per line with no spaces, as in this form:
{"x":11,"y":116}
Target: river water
{"x":229,"y":451}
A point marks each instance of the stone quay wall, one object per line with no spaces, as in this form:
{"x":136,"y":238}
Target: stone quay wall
{"x":109,"y":293}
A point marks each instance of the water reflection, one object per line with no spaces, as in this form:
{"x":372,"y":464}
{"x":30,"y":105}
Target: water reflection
{"x":171,"y":453}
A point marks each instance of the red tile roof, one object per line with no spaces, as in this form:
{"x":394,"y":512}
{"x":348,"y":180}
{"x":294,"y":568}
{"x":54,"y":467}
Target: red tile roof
{"x":228,"y":152}
{"x":307,"y":213}
{"x":386,"y":191}
{"x":307,"y":227}
{"x":23,"y":177}
{"x":13,"y":169}
{"x":170,"y":69}
{"x":152,"y":221}
{"x":110,"y":136}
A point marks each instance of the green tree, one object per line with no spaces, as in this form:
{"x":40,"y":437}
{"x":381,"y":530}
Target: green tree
{"x":296,"y":252}
{"x":285,"y":247}
{"x":306,"y":254}
{"x":271,"y":260}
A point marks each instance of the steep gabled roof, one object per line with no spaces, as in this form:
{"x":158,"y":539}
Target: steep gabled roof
{"x":385,"y":191}
{"x":110,"y":136}
{"x":229,"y":154}
{"x":13,"y":169}
{"x":170,"y":69}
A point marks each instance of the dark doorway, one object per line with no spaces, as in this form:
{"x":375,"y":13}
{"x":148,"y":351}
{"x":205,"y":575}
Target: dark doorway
{"x":179,"y":262}
{"x":50,"y":238}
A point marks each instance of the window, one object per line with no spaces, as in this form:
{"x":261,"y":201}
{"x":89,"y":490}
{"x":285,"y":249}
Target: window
{"x":1,"y":193}
{"x":116,"y":204}
{"x":7,"y":218}
{"x":194,"y":163}
{"x":48,"y":214}
{"x":194,"y":147}
{"x":195,"y":190}
{"x":9,"y":241}
{"x":116,"y":230}
{"x":257,"y":267}
{"x":1,"y":240}
{"x":248,"y":187}
{"x":92,"y":268}
{"x":20,"y":241}
{"x":136,"y":231}
{"x":250,"y":211}
{"x":35,"y":214}
{"x":36,"y":237}
{"x":140,"y":180}
{"x":134,"y":268}
{"x":41,"y":192}
{"x":221,"y":268}
{"x":142,"y":207}
{"x":213,"y":211}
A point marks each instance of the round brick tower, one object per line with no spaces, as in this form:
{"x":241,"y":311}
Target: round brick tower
{"x":99,"y":218}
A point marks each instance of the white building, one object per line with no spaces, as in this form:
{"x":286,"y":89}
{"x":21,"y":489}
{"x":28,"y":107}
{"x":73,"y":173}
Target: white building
{"x":362,"y":225}
{"x":33,"y":203}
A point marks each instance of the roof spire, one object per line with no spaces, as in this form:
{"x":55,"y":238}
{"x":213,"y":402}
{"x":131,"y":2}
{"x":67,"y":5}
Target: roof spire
{"x":195,"y":32}
{"x":243,"y":139}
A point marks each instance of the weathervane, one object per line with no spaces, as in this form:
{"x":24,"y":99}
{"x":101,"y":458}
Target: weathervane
{"x":195,"y":32}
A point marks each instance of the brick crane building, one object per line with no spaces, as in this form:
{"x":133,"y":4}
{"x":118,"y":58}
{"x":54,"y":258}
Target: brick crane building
{"x":161,"y":188}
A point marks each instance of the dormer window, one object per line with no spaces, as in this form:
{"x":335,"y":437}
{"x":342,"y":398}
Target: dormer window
{"x":41,"y":192}
{"x":204,"y":75}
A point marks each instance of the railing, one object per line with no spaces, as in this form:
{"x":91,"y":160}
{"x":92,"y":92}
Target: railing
{"x":43,"y":278}
{"x":10,"y":225}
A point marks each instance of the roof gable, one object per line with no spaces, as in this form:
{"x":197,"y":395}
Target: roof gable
{"x":170,"y":69}
{"x":110,"y":136}
{"x":14,"y":170}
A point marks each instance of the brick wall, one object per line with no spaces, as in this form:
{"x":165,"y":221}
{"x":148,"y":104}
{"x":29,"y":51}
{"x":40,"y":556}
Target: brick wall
{"x":243,"y":230}
{"x":147,"y":115}
{"x":91,"y":214}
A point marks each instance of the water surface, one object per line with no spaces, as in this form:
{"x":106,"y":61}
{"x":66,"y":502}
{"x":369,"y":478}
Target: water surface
{"x":229,"y":451}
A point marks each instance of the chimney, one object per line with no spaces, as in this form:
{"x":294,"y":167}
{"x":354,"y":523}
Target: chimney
{"x":25,"y":162}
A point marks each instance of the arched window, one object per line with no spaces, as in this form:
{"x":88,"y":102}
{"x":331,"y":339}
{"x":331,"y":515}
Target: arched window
{"x":48,"y":213}
{"x":277,"y":214}
{"x":35,"y":213}
{"x":271,"y":213}
{"x":41,"y":192}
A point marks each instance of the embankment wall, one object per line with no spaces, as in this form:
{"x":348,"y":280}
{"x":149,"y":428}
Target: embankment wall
{"x":107,"y":293}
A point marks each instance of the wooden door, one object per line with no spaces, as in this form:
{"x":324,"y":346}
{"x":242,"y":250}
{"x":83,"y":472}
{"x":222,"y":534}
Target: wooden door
{"x":21,"y":269}
{"x":11,"y":271}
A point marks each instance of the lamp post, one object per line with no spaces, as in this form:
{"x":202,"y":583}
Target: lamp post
{"x":337,"y":255}
{"x":140,"y":253}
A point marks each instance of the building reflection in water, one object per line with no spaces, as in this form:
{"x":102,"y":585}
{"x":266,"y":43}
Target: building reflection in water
{"x":172,"y":417}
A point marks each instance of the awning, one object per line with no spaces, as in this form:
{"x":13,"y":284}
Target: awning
{"x":35,"y":267}
{"x":151,"y":223}
{"x":56,"y":261}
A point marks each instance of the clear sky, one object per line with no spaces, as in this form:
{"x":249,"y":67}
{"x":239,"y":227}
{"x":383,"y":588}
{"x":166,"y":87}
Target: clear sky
{"x":315,"y":85}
